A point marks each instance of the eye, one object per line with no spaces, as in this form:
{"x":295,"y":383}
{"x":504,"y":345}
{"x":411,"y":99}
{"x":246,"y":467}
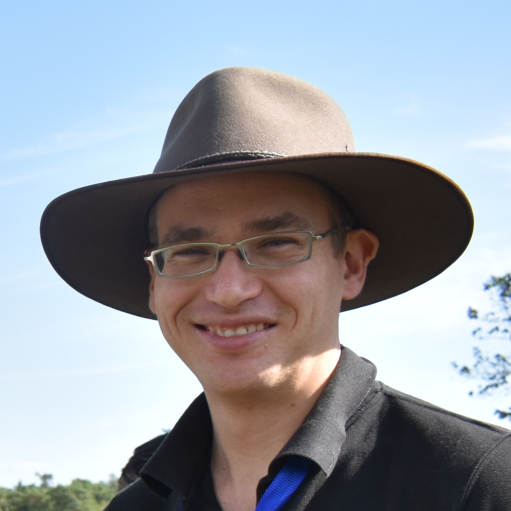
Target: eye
{"x":190,"y":252}
{"x":277,"y":242}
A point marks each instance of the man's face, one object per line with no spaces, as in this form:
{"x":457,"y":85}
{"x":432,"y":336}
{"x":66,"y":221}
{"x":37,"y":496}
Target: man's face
{"x":293,"y":310}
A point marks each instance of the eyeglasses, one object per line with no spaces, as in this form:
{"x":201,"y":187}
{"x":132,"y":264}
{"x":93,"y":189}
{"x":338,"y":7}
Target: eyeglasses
{"x":272,"y":250}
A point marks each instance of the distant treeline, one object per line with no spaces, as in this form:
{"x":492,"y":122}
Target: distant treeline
{"x":80,"y":495}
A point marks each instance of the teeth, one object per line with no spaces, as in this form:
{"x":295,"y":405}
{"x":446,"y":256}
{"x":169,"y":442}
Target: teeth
{"x":242,"y":330}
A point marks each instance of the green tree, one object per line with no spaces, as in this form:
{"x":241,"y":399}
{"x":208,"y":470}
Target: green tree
{"x":80,"y":495}
{"x":45,"y":479}
{"x":493,"y":369}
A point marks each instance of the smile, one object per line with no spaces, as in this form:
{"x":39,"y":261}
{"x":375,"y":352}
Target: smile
{"x":238,"y":331}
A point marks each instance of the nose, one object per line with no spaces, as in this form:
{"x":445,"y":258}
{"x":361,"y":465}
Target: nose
{"x":233,"y":281}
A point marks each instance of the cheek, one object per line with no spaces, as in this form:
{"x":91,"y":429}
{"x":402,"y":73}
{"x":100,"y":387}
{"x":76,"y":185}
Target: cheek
{"x":169,"y":299}
{"x":324,"y":289}
{"x":312,"y":291}
{"x":170,"y":306}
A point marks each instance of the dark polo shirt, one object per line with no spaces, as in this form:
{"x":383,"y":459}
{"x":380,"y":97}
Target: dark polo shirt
{"x":373,"y":448}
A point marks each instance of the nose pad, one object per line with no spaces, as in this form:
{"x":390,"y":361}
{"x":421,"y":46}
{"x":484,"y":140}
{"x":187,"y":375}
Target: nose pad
{"x":222,"y":252}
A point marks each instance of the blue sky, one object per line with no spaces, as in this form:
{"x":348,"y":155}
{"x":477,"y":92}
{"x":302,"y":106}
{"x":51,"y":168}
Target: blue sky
{"x":88,"y":90}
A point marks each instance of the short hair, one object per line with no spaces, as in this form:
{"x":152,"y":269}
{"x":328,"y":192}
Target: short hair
{"x":341,"y":218}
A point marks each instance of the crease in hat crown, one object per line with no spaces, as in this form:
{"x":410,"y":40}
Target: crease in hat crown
{"x":243,"y":113}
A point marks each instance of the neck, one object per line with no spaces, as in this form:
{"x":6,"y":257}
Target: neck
{"x":250,"y":428}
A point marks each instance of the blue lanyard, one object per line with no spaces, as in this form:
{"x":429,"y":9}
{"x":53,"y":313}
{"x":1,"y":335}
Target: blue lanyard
{"x":286,"y":482}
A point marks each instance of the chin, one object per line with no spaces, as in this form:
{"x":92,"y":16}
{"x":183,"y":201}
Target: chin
{"x":243,"y":380}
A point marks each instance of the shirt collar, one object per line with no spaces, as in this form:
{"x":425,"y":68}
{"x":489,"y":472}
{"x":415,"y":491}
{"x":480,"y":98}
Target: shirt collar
{"x":180,"y":460}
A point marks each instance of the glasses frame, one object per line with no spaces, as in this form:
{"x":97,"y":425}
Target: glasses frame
{"x":150,"y":254}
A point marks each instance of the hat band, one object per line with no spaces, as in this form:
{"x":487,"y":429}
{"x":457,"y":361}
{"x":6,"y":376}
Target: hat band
{"x":229,"y":156}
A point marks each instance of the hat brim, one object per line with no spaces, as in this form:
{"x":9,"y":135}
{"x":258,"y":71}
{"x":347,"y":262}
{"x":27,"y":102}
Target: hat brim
{"x":95,"y":236}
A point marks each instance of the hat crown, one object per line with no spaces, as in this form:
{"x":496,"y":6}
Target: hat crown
{"x":242,"y":113}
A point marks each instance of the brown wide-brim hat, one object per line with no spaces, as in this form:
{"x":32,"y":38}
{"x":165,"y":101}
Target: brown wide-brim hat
{"x":252,"y":120}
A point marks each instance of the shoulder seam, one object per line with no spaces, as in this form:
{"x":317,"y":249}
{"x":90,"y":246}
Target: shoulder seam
{"x":391,"y":393}
{"x":479,"y":467}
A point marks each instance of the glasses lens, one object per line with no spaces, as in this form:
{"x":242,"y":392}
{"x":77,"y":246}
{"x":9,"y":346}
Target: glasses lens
{"x":182,"y":260}
{"x":279,"y":249}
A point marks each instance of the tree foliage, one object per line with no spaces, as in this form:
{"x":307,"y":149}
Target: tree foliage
{"x":80,"y":495}
{"x":493,"y":370}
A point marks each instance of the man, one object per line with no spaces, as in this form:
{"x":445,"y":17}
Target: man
{"x":258,"y":225}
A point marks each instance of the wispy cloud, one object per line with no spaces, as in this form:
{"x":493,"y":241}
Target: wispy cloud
{"x":68,"y":140}
{"x":115,"y":125}
{"x":23,"y":275}
{"x":24,"y":178}
{"x":496,"y":143}
{"x":82,"y":372}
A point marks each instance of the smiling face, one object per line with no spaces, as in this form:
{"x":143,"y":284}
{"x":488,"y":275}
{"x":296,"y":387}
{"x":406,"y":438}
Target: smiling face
{"x":244,"y":328}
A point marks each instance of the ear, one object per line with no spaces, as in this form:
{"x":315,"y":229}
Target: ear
{"x":151,"y":288}
{"x":360,"y":250}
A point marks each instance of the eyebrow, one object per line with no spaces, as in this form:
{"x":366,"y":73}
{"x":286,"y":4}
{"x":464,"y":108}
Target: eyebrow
{"x":178,"y":234}
{"x":284,"y":221}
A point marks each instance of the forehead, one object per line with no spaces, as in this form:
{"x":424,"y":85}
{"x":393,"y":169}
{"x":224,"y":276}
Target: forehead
{"x":236,"y":201}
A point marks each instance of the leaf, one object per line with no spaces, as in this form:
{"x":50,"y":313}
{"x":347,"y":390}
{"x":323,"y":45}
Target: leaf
{"x":493,"y":370}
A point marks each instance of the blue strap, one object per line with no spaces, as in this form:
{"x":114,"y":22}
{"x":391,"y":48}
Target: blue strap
{"x":286,"y":482}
